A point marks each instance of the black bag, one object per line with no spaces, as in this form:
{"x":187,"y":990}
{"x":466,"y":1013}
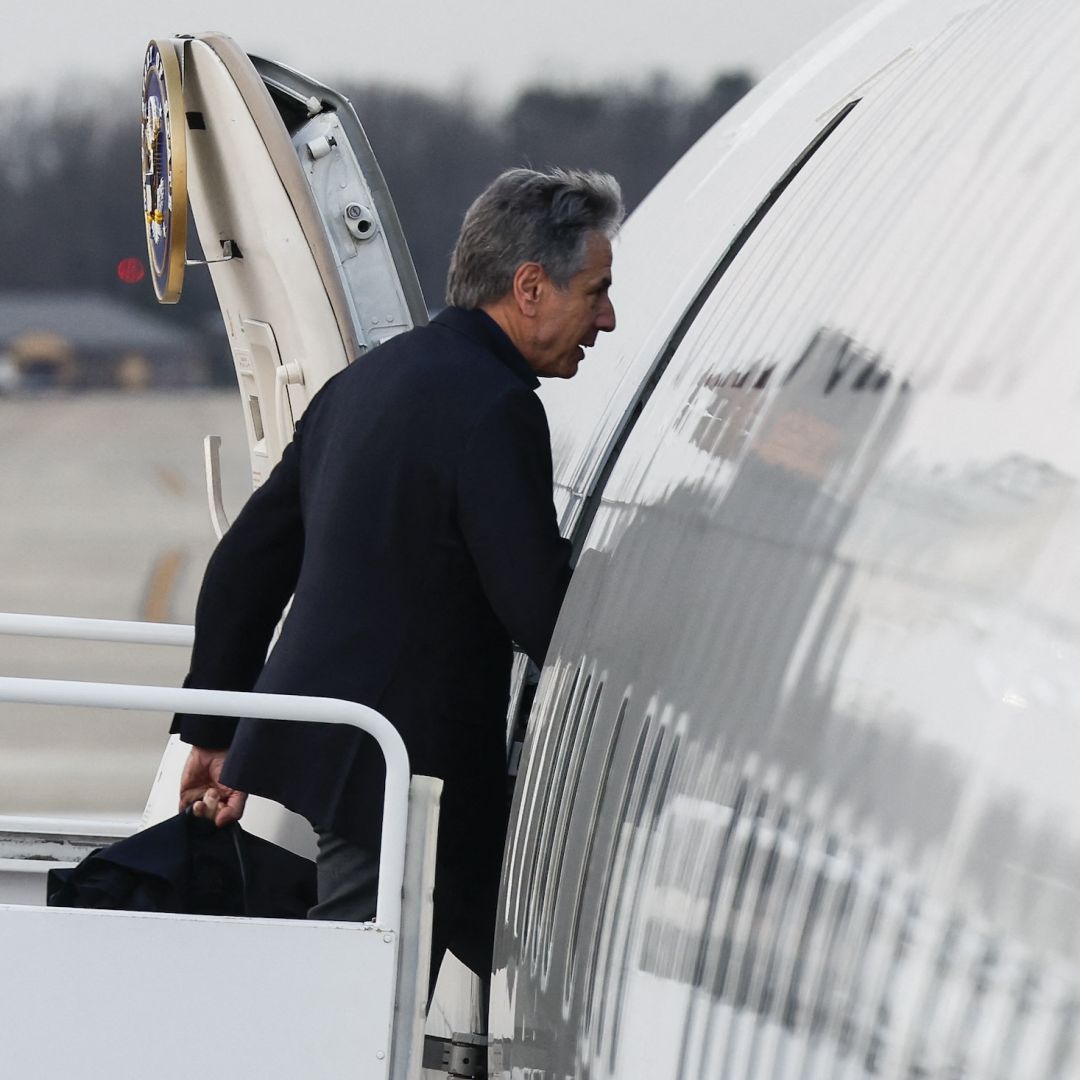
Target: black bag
{"x":189,"y":866}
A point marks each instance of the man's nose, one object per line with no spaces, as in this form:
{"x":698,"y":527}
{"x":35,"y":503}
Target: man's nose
{"x":605,"y":320}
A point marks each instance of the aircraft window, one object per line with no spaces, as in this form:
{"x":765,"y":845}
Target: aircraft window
{"x":592,"y":502}
{"x":586,"y":858}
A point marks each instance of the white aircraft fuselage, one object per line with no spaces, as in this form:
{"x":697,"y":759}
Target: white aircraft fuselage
{"x":797,"y":794}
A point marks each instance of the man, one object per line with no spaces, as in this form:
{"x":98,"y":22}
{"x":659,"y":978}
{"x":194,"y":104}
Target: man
{"x":411,"y":520}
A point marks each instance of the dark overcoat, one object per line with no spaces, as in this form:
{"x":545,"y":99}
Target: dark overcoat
{"x":411,"y":521}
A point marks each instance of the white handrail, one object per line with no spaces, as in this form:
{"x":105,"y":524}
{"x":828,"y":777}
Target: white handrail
{"x":68,"y":826}
{"x":60,"y":626}
{"x":270,"y":707}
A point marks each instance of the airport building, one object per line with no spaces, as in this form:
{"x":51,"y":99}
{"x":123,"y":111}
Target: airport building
{"x":91,"y":341}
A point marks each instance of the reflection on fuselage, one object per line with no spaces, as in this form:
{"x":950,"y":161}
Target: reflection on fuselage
{"x":799,"y":798}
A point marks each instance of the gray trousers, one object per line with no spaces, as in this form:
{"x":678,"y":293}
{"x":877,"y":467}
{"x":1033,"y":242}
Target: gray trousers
{"x":347,"y":879}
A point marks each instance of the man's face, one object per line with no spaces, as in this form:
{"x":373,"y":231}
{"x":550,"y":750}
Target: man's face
{"x":568,"y":320}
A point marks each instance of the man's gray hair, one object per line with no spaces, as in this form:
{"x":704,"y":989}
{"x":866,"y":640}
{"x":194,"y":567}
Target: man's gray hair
{"x":527,"y":216}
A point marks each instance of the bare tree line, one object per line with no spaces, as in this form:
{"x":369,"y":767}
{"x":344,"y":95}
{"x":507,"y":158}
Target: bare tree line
{"x":71,"y":203}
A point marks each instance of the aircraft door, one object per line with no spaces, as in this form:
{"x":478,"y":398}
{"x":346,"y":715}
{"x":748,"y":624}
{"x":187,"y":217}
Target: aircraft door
{"x":296,"y":224}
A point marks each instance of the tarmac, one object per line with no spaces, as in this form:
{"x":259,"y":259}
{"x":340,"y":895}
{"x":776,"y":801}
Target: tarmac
{"x":104,"y":516}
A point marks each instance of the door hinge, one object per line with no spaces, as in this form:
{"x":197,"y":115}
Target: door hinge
{"x":463,"y":1056}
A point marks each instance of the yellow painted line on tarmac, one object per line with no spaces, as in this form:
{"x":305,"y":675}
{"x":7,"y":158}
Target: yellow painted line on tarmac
{"x":157,"y":598}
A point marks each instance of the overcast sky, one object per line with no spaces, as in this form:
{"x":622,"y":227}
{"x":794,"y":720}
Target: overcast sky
{"x":490,"y":48}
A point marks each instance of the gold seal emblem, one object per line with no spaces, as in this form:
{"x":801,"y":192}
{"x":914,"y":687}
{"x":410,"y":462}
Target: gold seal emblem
{"x":164,"y":167}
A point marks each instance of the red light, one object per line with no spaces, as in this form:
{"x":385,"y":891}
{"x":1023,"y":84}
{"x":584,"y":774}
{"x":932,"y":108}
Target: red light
{"x":130,"y":271}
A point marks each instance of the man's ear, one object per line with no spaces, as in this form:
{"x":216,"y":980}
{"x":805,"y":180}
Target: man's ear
{"x":530,"y":280}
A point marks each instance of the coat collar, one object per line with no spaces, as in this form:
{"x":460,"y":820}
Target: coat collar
{"x":481,"y":328}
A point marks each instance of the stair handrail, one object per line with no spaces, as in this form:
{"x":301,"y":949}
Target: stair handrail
{"x":117,"y":630}
{"x":270,"y":707}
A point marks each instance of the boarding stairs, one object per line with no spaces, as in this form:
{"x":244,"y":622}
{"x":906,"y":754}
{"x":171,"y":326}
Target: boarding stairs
{"x":119,"y":994}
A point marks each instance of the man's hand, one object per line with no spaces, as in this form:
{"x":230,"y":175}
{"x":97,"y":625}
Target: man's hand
{"x":201,"y":788}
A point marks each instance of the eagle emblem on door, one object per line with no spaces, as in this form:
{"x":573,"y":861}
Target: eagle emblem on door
{"x":164,"y":169}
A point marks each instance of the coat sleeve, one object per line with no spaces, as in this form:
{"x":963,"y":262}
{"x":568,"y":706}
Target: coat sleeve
{"x":508,"y":519}
{"x":248,"y":581}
